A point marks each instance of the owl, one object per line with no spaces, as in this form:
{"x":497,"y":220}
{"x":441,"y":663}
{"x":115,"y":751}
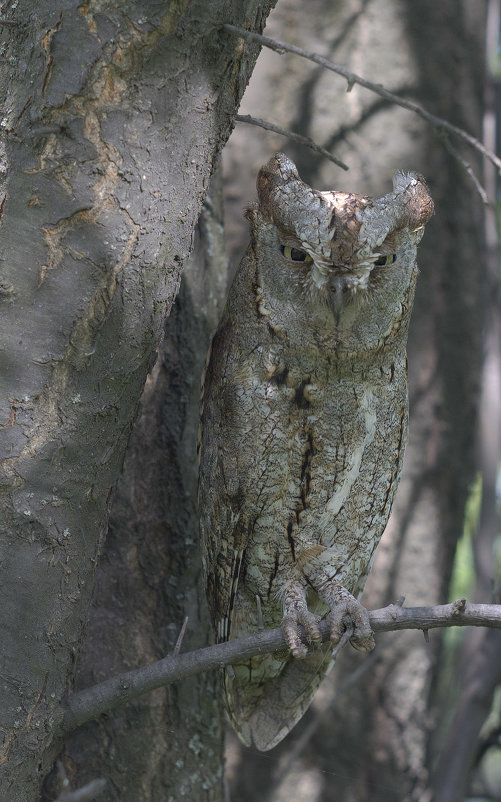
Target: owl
{"x":303,"y":429}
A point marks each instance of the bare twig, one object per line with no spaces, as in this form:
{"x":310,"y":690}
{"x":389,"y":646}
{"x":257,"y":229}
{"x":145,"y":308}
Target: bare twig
{"x":260,"y":622}
{"x":84,"y":794}
{"x":299,"y":138}
{"x":467,"y":167}
{"x":343,"y":640}
{"x":117,"y":691}
{"x":180,"y":637}
{"x":439,"y":124}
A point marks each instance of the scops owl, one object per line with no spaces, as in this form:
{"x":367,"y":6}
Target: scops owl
{"x":304,"y":425}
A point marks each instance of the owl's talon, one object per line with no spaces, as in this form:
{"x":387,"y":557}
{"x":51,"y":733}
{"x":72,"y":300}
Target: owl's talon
{"x":345,"y":609}
{"x":296,"y":614}
{"x":296,"y":645}
{"x":290,"y":626}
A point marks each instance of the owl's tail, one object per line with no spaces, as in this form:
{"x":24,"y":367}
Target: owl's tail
{"x":263,"y":712}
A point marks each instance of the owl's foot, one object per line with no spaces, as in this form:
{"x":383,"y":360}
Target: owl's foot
{"x":318,"y":566}
{"x":347,"y":611}
{"x":296,"y":613}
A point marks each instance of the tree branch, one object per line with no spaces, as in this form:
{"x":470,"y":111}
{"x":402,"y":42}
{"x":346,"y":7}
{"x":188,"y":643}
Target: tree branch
{"x":299,"y":138}
{"x":117,"y":691}
{"x":440,"y":125}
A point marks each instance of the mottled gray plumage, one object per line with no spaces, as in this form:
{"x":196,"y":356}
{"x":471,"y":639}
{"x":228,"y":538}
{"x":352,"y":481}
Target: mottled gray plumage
{"x":304,"y":425}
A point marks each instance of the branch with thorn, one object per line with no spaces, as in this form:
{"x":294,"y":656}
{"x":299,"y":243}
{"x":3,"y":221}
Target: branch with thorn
{"x":442,"y":127}
{"x":117,"y":691}
{"x":299,"y":138}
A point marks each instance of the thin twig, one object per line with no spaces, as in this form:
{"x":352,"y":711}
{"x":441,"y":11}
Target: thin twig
{"x":343,"y":640}
{"x":260,"y":622}
{"x":299,"y":138}
{"x":437,"y":122}
{"x":180,"y":637}
{"x":85,"y":793}
{"x":117,"y":691}
{"x":467,"y":167}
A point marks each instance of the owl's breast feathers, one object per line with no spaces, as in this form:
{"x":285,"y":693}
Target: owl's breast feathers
{"x":299,"y":459}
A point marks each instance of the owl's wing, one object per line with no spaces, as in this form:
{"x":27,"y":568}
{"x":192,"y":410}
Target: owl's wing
{"x":265,"y":695}
{"x":223,"y":520}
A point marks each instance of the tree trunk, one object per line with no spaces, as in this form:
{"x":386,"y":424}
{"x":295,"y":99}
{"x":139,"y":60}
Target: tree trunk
{"x":113,"y":122}
{"x":149,"y":577}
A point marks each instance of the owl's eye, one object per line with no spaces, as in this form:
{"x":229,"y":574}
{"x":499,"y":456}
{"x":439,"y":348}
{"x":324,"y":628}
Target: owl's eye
{"x":295,"y":255}
{"x":389,"y":259}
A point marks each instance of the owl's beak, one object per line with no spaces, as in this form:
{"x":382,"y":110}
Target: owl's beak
{"x":343,"y":280}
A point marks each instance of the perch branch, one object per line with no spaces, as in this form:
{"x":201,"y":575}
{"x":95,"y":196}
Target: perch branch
{"x":439,"y":124}
{"x":117,"y":691}
{"x":299,"y":138}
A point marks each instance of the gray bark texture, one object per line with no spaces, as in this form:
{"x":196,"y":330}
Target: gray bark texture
{"x":375,"y":741}
{"x":168,"y":744}
{"x":114,"y":115}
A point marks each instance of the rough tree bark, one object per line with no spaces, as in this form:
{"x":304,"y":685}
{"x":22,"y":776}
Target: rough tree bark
{"x":169,"y":744}
{"x":114,"y":116}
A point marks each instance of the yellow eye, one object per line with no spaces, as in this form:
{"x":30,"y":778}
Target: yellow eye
{"x":295,"y":255}
{"x":386,"y":260}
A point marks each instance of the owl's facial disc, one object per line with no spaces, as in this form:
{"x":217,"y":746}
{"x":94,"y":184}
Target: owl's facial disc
{"x":338,"y":284}
{"x":333,"y":279}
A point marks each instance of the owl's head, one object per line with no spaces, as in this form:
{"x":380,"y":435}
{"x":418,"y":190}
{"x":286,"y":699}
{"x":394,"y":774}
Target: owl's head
{"x":336,"y":247}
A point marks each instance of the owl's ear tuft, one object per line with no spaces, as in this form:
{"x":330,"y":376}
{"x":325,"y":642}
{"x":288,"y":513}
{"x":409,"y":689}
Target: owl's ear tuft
{"x":277,"y":170}
{"x":419,"y":203}
{"x":409,"y":206}
{"x":277,"y":180}
{"x":286,"y":201}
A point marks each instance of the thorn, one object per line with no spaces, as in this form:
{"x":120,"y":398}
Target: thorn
{"x":426,"y":635}
{"x":343,"y":640}
{"x":230,"y":671}
{"x":459,"y":606}
{"x":180,"y":637}
{"x":400,"y":601}
{"x":260,"y":622}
